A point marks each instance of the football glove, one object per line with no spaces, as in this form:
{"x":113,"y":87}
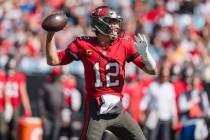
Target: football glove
{"x":141,"y":45}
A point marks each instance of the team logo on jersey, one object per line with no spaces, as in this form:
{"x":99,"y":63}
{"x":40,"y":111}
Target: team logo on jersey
{"x":88,"y":53}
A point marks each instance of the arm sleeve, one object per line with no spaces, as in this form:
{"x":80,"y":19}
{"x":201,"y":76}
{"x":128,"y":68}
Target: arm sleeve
{"x":138,"y":62}
{"x":133,"y":55}
{"x":69,"y":54}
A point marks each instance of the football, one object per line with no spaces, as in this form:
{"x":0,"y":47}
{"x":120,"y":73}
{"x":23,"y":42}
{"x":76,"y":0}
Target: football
{"x":54,"y":22}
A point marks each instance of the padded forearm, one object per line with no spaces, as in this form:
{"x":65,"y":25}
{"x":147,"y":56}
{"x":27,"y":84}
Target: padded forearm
{"x":149,"y":61}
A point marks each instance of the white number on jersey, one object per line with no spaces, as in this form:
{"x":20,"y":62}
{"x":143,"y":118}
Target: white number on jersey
{"x":109,"y":82}
{"x":12,"y":89}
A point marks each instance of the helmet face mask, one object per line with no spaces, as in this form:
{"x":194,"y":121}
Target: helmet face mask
{"x":106,"y":21}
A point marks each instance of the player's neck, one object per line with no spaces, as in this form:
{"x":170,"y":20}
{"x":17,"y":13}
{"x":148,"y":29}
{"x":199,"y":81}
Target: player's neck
{"x":103,"y":40}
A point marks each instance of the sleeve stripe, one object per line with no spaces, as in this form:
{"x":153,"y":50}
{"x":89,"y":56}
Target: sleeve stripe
{"x":132,"y":57}
{"x":70,"y":52}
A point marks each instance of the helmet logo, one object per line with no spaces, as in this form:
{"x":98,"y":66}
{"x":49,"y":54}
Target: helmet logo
{"x":100,"y":11}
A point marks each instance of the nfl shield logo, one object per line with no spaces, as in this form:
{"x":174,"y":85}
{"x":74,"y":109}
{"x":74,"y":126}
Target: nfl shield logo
{"x":88,"y":53}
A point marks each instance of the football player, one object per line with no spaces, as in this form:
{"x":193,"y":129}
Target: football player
{"x":3,"y":103}
{"x":16,"y":91}
{"x":104,"y":57}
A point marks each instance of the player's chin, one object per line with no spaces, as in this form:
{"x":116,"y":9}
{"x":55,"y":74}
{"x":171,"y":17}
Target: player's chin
{"x":114,"y":35}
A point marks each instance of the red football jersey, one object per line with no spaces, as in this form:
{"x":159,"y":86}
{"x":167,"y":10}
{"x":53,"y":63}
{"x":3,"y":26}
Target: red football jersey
{"x":12,"y":88}
{"x":104,"y":67}
{"x":2,"y":83}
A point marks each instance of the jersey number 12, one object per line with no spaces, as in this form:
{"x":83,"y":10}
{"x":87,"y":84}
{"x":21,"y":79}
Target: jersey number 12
{"x":109,"y":82}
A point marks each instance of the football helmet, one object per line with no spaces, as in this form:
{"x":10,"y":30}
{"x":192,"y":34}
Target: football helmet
{"x":101,"y":20}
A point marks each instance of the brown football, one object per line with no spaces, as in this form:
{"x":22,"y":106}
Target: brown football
{"x":54,"y":22}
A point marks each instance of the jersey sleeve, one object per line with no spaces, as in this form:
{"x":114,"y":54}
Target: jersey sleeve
{"x":69,"y":54}
{"x":133,"y":55}
{"x":131,"y":50}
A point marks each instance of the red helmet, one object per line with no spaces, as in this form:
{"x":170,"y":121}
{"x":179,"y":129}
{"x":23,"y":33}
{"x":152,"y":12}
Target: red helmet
{"x":101,"y":18}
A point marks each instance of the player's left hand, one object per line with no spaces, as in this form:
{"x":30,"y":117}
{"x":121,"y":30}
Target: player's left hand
{"x":141,"y":44}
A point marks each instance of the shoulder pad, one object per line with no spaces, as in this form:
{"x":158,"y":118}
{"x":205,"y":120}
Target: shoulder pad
{"x":127,"y":39}
{"x":78,"y":38}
